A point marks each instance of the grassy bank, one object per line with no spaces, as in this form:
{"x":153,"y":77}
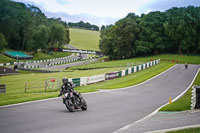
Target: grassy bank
{"x":190,"y":130}
{"x":140,"y":60}
{"x":84,"y":39}
{"x":128,"y":80}
{"x":184,"y":103}
{"x":15,"y":84}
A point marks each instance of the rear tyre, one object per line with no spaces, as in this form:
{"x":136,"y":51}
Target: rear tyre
{"x":84,"y":106}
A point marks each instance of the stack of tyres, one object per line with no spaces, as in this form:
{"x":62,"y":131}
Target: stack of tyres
{"x":197,"y":106}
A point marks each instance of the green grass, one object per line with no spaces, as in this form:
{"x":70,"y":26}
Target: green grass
{"x":16,"y":83}
{"x":184,"y":103}
{"x":190,"y":130}
{"x":141,"y":60}
{"x":44,"y":56}
{"x":38,"y":56}
{"x":181,"y":58}
{"x":84,"y":39}
{"x":128,"y":80}
{"x":5,"y":59}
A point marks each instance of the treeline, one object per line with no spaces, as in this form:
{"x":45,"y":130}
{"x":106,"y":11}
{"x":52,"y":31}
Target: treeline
{"x":25,"y":27}
{"x":176,"y":30}
{"x":83,"y":25}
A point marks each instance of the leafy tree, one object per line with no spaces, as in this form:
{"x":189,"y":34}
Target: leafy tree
{"x":175,"y":30}
{"x":84,"y":25}
{"x":3,"y":42}
{"x":57,"y":35}
{"x":103,"y":27}
{"x":121,"y":40}
{"x":38,"y":39}
{"x":151,"y":38}
{"x":23,"y":25}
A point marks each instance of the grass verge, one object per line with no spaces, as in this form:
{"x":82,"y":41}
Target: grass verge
{"x":128,"y":80}
{"x":183,"y":103}
{"x":15,"y":84}
{"x":140,"y":60}
{"x":190,"y":130}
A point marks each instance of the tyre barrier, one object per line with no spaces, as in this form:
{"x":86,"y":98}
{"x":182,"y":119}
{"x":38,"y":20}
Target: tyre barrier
{"x":38,"y":61}
{"x":195,"y":99}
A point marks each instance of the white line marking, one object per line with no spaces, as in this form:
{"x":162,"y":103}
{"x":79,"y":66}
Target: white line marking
{"x":153,"y":113}
{"x":12,"y":105}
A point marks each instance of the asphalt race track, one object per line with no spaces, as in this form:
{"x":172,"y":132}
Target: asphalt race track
{"x":107,"y":111}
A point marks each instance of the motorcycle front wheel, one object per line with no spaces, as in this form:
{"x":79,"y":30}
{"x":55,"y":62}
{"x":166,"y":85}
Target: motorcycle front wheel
{"x":69,"y":105}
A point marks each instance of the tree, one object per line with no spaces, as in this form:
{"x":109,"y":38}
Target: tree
{"x":84,"y":25}
{"x":3,"y":42}
{"x":181,"y":29}
{"x":118,"y":41}
{"x":57,"y":35}
{"x":38,"y":39}
{"x":20,"y":24}
{"x":151,"y":38}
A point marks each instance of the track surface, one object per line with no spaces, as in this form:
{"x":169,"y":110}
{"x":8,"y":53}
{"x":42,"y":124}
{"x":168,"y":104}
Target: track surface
{"x":108,"y":110}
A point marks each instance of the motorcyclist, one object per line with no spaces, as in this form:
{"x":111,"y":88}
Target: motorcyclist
{"x":186,"y":65}
{"x":67,"y":87}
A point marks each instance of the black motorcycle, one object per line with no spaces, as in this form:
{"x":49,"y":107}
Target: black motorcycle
{"x":74,"y":101}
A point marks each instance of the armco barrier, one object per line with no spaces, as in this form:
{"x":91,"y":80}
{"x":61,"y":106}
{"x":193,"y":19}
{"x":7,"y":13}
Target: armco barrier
{"x":84,"y":81}
{"x":123,"y":73}
{"x":129,"y":70}
{"x":126,"y":72}
{"x":96,"y":78}
{"x":113,"y":75}
{"x":119,"y":74}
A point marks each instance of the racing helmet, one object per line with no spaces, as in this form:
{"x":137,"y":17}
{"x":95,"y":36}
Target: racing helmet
{"x":65,"y":80}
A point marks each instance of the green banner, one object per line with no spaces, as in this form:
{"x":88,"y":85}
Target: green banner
{"x":137,"y":68}
{"x":119,"y":74}
{"x":76,"y":81}
{"x":126,"y":72}
{"x":132,"y":70}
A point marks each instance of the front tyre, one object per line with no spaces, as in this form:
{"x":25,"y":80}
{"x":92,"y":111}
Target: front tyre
{"x":69,"y":105}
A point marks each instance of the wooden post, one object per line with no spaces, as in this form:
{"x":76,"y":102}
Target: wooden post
{"x":25,"y":87}
{"x":45,"y":86}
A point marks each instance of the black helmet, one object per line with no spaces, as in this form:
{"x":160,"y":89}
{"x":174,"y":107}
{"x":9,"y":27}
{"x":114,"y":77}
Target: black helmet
{"x":65,"y":80}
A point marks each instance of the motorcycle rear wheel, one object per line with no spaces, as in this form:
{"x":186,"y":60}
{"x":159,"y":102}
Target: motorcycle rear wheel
{"x":84,"y":106}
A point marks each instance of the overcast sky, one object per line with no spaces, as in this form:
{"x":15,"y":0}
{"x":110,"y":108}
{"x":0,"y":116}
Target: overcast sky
{"x":104,"y":11}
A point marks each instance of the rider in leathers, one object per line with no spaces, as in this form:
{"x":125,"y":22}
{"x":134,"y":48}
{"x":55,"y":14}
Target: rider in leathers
{"x":67,"y":87}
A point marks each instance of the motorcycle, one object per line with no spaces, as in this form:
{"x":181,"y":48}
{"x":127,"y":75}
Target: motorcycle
{"x":74,"y":101}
